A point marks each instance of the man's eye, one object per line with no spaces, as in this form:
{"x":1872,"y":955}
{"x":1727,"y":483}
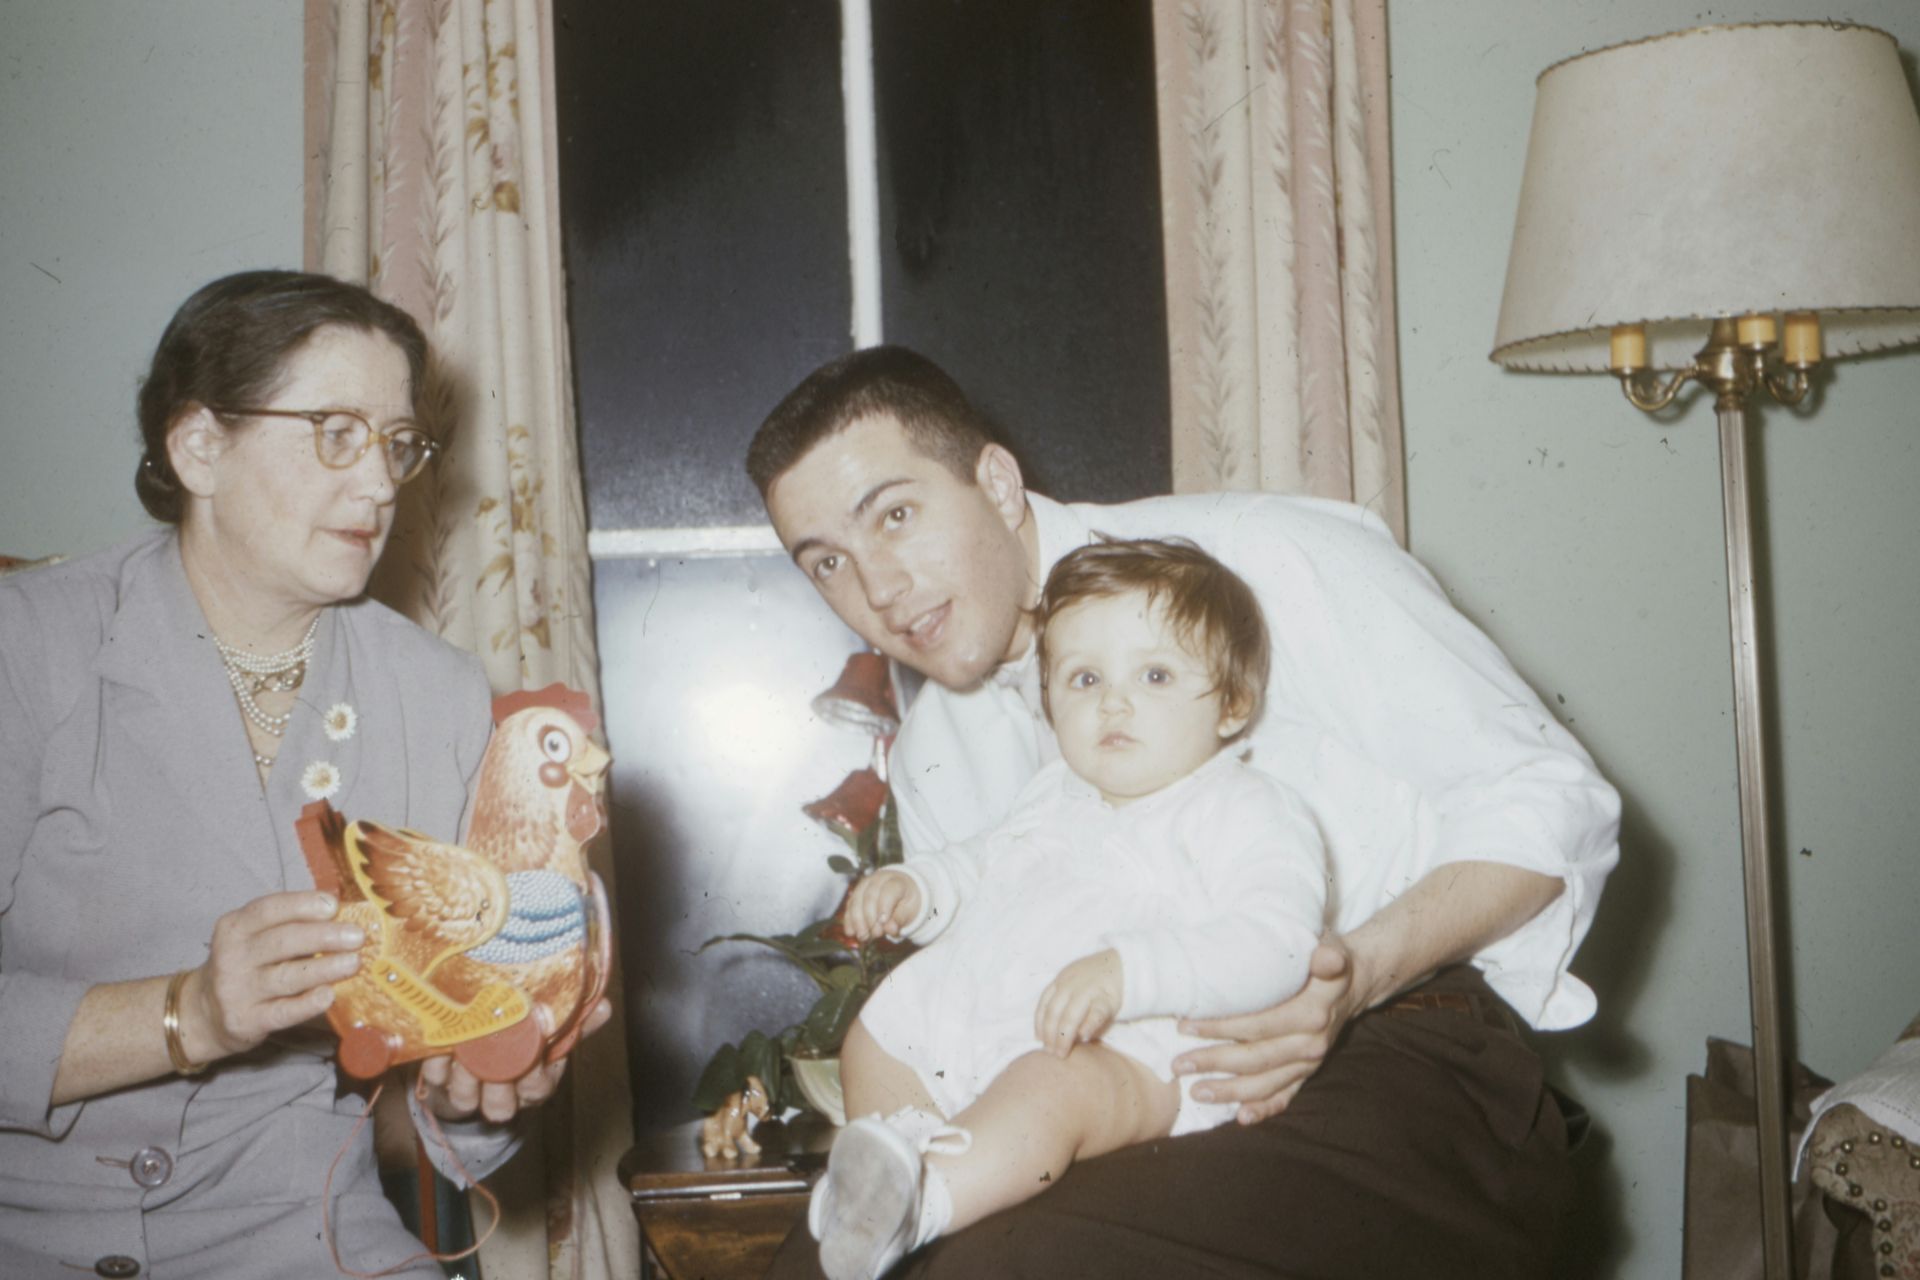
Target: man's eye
{"x":823,"y":567}
{"x":898,"y":516}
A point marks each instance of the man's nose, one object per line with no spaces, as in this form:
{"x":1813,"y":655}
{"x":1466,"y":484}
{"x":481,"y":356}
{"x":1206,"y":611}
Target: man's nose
{"x":884,"y":580}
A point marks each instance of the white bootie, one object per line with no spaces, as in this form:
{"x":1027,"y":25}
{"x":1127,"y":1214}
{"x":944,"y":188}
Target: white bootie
{"x":878,"y":1201}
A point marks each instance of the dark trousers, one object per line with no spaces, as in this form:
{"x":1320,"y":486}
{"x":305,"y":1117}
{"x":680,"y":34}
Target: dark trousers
{"x":1426,"y":1145}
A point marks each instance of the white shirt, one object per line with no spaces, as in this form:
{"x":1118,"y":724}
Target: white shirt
{"x":1404,"y":728}
{"x":1212,"y":889}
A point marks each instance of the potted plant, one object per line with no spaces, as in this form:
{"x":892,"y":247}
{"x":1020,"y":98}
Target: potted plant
{"x":799,"y":1066}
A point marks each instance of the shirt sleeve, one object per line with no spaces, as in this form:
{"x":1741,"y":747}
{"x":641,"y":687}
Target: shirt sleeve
{"x":36,"y":1009}
{"x":464,"y":1151}
{"x":1368,"y":647}
{"x":946,"y":880}
{"x":1257,"y":859}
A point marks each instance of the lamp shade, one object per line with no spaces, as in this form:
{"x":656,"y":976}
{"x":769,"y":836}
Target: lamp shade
{"x":1717,"y":172}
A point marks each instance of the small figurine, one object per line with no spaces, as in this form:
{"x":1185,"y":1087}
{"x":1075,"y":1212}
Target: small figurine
{"x":496,"y":951}
{"x":729,"y":1130}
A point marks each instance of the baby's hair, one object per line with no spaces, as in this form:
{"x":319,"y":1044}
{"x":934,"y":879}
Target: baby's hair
{"x":1213,"y":613}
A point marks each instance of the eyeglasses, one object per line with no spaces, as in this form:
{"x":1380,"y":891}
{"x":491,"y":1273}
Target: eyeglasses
{"x":341,"y":438}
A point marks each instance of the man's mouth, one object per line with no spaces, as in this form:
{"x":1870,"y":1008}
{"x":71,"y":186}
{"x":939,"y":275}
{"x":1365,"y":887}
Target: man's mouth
{"x":361,"y":538}
{"x":925,"y":631}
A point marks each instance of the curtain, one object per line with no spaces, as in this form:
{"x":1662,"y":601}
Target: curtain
{"x":431,"y":178}
{"x":1276,"y":202}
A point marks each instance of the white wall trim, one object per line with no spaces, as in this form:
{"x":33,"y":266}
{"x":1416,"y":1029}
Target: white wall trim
{"x":683,"y":544}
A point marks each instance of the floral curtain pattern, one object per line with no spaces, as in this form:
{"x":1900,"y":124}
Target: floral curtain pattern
{"x":431,"y":178}
{"x":1274,"y":174}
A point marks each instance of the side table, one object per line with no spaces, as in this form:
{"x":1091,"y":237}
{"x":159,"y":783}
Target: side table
{"x":703,"y":1219}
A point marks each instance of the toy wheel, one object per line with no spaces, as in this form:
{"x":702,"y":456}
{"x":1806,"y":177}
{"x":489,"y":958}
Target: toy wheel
{"x":504,"y":1055}
{"x":365,"y":1054}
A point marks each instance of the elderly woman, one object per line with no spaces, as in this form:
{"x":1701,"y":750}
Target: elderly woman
{"x":168,"y":1104}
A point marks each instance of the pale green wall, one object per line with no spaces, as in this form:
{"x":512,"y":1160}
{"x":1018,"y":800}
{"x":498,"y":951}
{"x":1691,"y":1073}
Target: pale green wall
{"x":146,"y":146}
{"x":149,"y":145}
{"x":1588,"y":540}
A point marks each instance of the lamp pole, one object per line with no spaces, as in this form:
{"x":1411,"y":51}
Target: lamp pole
{"x":1734,"y":369}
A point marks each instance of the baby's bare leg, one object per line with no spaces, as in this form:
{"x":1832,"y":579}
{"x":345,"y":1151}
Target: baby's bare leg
{"x":874,"y":1081}
{"x":1042,"y":1114}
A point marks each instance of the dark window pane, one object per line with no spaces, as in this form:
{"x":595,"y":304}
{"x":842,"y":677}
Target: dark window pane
{"x":1021,"y":225}
{"x":703,"y":209}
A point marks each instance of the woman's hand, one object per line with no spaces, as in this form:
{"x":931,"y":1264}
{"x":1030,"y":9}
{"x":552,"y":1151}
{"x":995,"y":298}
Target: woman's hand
{"x":1081,"y":1003}
{"x":272,"y":965}
{"x":453,"y":1093}
{"x":1277,"y":1049}
{"x":882,"y":904}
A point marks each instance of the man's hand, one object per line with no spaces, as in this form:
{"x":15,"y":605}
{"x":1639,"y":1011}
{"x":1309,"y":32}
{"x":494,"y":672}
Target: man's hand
{"x":882,"y":904}
{"x":454,"y":1094}
{"x":1079,"y":1004}
{"x":1277,"y":1049}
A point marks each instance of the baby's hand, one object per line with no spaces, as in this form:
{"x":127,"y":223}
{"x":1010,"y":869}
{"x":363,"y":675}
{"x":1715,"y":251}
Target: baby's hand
{"x":1080,"y":1004}
{"x":881,"y":904}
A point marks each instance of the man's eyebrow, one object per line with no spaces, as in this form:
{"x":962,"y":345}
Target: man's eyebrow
{"x":867,"y":500}
{"x":872,"y":495}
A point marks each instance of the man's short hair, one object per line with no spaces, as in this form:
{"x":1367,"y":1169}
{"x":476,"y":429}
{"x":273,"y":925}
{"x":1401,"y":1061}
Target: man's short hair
{"x":1211,"y":609}
{"x":937,"y":416}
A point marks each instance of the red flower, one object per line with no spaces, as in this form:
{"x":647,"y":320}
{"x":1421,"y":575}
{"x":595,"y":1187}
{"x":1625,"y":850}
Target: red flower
{"x":854,"y":805}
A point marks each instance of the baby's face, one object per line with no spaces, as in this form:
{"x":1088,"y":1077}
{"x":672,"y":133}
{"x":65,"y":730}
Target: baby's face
{"x":1132,"y":708}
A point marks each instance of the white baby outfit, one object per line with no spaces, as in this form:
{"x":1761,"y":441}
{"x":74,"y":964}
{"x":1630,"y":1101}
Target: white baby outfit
{"x":1212,"y":890}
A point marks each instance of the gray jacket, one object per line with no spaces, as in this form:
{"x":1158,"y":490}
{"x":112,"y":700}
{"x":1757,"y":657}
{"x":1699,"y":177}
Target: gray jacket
{"x":131,"y":818}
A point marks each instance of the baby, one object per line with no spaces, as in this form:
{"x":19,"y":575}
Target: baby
{"x":1145,"y":876}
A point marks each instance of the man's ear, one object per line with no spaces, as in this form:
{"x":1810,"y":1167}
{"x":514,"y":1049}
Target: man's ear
{"x":194,"y":443}
{"x":998,"y":476}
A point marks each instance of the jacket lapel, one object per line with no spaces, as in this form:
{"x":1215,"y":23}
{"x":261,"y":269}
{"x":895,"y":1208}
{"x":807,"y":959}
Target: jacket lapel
{"x":168,"y":699}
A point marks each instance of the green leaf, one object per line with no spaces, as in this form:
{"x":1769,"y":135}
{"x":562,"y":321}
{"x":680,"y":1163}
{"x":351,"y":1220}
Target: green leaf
{"x":827,"y":1022}
{"x":842,"y":864}
{"x":724,"y":1074}
{"x":760,"y":1056}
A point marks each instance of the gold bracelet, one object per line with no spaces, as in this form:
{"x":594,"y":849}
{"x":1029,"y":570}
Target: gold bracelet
{"x":170,"y":1023}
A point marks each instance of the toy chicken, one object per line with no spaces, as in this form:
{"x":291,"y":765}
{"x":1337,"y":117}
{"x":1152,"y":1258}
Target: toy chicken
{"x":496,"y":950}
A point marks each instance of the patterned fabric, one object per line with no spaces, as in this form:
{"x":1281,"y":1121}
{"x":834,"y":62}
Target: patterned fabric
{"x":1279,"y":249}
{"x":431,"y":178}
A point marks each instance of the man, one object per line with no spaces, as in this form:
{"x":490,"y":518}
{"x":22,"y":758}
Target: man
{"x":1393,"y":1120}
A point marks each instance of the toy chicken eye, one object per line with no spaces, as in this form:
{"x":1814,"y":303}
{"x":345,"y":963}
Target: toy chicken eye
{"x":557,"y":745}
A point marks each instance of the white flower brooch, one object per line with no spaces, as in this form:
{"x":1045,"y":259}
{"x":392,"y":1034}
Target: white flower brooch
{"x":320,"y":781}
{"x":340,"y":721}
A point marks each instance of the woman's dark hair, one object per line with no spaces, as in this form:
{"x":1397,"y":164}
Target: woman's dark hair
{"x":228,"y":345}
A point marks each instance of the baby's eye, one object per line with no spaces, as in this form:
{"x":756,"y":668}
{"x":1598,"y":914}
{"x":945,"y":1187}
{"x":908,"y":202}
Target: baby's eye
{"x":823,"y":567}
{"x":1082,"y":680}
{"x":1157,"y":675}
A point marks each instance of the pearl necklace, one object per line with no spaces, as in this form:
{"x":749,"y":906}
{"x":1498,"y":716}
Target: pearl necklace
{"x":253,"y":674}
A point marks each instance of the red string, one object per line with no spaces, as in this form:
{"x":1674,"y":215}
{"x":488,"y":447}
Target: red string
{"x":439,"y":1137}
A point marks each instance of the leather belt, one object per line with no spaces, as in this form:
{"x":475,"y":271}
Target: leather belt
{"x":1489,"y":1011}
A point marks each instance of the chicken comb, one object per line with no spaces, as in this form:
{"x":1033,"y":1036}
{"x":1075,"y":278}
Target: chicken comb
{"x":572,"y":701}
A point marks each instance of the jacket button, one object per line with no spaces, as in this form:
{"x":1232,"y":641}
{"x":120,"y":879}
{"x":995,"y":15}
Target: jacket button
{"x":151,"y":1167}
{"x":116,"y":1266}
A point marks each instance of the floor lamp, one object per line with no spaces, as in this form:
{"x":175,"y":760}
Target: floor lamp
{"x":1728,"y":206}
